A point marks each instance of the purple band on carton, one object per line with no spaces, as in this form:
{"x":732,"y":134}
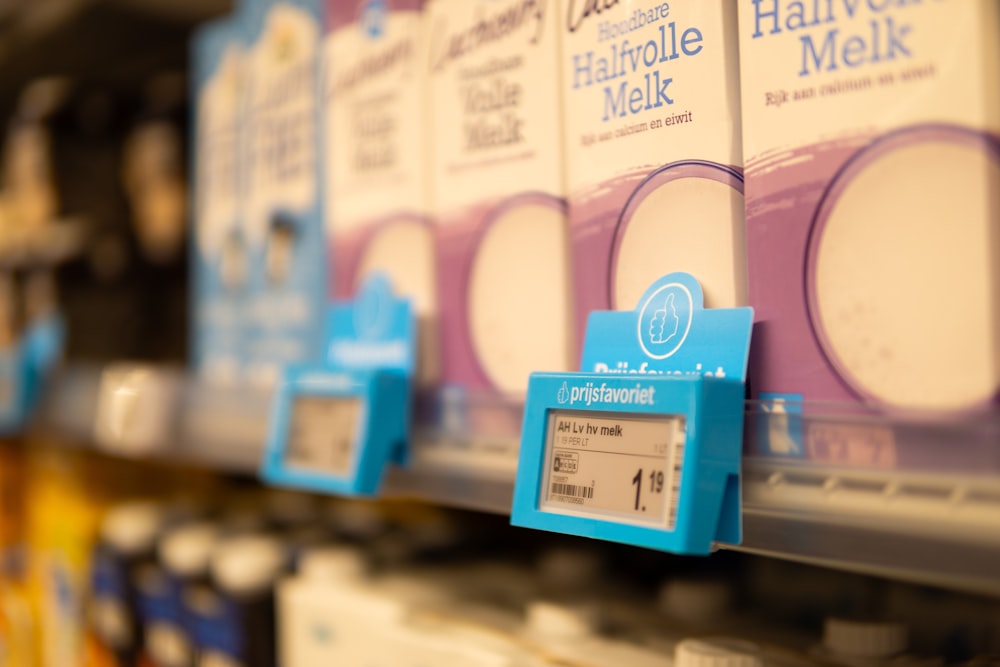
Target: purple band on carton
{"x":348,"y":249}
{"x":459,"y":244}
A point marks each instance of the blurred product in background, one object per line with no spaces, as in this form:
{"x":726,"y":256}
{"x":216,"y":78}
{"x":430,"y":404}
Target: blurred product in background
{"x":63,"y":511}
{"x":154,"y":176}
{"x":496,"y":169}
{"x":154,"y":171}
{"x":32,"y":199}
{"x":126,"y":547}
{"x":281,"y":188}
{"x":183,"y":556}
{"x":234,"y":617}
{"x":213,"y":577}
{"x":220,"y":256}
{"x":375,"y":150}
{"x":260,"y":260}
{"x":17,"y":624}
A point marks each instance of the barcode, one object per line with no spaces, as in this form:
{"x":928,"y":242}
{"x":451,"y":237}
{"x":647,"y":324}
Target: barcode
{"x":575,"y":490}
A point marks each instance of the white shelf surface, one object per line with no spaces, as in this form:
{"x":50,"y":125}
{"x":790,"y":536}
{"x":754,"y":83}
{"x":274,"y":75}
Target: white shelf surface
{"x":909,"y":499}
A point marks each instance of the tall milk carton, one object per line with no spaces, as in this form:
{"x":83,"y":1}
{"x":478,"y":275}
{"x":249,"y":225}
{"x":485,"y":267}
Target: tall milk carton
{"x":375,"y":147}
{"x":219,"y":262}
{"x":283,"y":224}
{"x":653,"y":154}
{"x":873,"y":196}
{"x":498,"y":192}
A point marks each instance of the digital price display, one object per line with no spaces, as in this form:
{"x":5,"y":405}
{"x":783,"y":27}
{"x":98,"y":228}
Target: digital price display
{"x":623,"y":467}
{"x":323,"y":434}
{"x":336,"y":431}
{"x":643,"y":444}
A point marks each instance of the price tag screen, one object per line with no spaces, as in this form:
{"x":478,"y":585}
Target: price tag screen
{"x":623,"y":467}
{"x":323,"y":434}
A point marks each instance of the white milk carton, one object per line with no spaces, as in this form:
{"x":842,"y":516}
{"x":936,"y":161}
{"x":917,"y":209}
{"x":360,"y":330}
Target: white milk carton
{"x":870,"y":132}
{"x":653,"y":155}
{"x":219,"y":250}
{"x":376,"y":163}
{"x":498,"y":192}
{"x":283,"y":224}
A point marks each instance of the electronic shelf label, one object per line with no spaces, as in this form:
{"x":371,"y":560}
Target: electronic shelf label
{"x":336,"y":426}
{"x":643,"y":446}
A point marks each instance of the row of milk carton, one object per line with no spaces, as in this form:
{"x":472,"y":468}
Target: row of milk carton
{"x":513,"y":165}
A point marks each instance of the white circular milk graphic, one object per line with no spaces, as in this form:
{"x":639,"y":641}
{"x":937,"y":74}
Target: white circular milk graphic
{"x":688,"y":224}
{"x":904,"y":282}
{"x":519,"y":296}
{"x":404,"y":252}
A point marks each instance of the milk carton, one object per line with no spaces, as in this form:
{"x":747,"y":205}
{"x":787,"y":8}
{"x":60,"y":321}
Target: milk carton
{"x":870,"y":135}
{"x":498,"y":192}
{"x":283,"y":221}
{"x":219,"y":251}
{"x":375,"y":143}
{"x":653,"y":154}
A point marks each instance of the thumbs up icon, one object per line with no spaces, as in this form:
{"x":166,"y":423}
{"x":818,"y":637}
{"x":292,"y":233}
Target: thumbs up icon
{"x":663,"y":326}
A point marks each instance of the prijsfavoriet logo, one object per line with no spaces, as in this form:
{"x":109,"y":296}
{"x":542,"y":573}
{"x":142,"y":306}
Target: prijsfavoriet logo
{"x":590,"y":393}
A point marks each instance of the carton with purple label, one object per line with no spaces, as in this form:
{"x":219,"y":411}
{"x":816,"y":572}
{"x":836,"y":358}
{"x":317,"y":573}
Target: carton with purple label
{"x":870,"y":133}
{"x":375,"y":148}
{"x":497,"y":191}
{"x":652,"y":140}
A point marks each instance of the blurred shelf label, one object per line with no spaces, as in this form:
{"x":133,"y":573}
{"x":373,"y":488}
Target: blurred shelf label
{"x":15,"y":376}
{"x":25,"y":366}
{"x":644,"y":445}
{"x":336,"y":427}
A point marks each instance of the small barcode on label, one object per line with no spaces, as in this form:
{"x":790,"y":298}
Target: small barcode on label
{"x":575,"y":490}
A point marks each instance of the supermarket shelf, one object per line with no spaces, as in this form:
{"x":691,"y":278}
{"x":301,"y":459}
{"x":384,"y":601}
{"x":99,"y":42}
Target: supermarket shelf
{"x":168,"y":419}
{"x":895,"y":496}
{"x":136,"y":411}
{"x":936,"y":529}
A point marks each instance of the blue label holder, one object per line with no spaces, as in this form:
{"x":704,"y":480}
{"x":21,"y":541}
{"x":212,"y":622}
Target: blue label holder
{"x":24,"y":367}
{"x":370,"y":358}
{"x":44,"y":342}
{"x":379,"y":436}
{"x":16,"y":380}
{"x":668,"y":358}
